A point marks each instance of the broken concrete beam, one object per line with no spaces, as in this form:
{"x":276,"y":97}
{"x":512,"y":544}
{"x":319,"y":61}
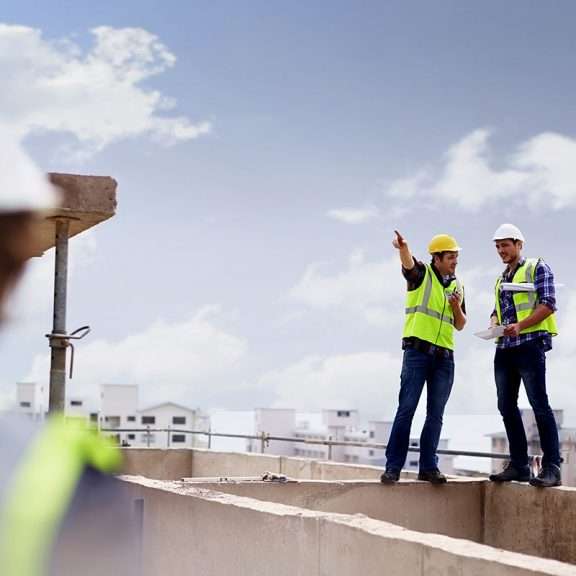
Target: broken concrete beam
{"x":86,"y":201}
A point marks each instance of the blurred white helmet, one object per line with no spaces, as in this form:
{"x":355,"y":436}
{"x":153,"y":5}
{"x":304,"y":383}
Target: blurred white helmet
{"x":506,"y":231}
{"x":23,"y":186}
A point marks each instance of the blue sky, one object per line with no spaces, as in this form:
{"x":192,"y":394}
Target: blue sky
{"x":250,"y":264}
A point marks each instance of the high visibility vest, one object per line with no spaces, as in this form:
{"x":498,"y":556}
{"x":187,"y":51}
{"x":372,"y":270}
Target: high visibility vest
{"x":526,"y":302}
{"x":40,"y":489}
{"x":429,"y":315}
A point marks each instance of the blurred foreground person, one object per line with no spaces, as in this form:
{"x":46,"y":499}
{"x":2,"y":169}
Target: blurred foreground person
{"x":61,"y":512}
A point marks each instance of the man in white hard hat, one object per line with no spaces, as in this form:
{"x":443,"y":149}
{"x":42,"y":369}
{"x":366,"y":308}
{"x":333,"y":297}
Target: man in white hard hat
{"x":434,"y":307}
{"x":529,"y":325}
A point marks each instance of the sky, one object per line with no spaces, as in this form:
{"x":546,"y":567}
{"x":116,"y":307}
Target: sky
{"x":265,"y":152}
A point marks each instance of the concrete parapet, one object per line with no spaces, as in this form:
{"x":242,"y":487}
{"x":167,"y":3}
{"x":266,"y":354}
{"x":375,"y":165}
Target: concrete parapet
{"x":515,"y":517}
{"x":531,"y":520}
{"x":455,"y":509}
{"x":188,"y":529}
{"x":159,"y":464}
{"x":209,"y":463}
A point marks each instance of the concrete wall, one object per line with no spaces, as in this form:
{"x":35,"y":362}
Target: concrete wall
{"x":207,"y":463}
{"x":531,"y":520}
{"x":160,"y":464}
{"x":455,"y":509}
{"x":514,"y":517}
{"x":190,"y":530}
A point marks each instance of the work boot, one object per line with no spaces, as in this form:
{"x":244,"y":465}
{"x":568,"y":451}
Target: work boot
{"x":548,"y":476}
{"x":390,"y":477}
{"x":432,"y":476}
{"x":511,"y":473}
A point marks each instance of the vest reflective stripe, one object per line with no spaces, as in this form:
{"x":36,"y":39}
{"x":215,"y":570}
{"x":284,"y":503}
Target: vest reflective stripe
{"x":41,"y":490}
{"x":428,"y":315}
{"x":526,"y":302}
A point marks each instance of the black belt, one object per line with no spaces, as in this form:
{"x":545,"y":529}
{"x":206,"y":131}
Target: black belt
{"x":426,"y":348}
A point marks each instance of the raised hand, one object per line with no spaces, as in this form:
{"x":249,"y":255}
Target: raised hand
{"x":399,"y":241}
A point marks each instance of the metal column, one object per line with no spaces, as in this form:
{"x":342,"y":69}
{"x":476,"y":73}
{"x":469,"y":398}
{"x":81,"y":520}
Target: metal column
{"x":58,"y":342}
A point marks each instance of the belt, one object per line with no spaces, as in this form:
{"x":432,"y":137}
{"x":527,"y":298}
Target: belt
{"x":426,"y":348}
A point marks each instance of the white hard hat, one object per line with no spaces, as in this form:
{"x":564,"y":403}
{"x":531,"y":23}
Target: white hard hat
{"x":23,"y":186}
{"x":506,"y":231}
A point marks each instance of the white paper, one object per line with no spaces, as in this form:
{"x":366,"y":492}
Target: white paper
{"x":491,"y":333}
{"x":522,"y":286}
{"x":518,"y":286}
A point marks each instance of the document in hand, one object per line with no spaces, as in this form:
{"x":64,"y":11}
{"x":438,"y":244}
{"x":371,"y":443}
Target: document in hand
{"x":518,"y":286}
{"x":491,"y":333}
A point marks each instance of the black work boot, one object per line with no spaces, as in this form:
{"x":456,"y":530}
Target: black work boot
{"x":511,"y":473}
{"x":390,"y":477}
{"x":548,"y":476}
{"x":432,"y":476}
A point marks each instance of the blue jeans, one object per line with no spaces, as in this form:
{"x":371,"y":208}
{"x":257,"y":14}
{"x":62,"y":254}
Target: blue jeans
{"x":438,"y":373}
{"x":526,"y":362}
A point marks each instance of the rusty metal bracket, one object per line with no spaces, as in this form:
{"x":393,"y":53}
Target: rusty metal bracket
{"x":63,"y":341}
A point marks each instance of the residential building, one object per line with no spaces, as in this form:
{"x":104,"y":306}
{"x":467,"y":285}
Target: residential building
{"x":313,"y":429}
{"x":165,"y":425}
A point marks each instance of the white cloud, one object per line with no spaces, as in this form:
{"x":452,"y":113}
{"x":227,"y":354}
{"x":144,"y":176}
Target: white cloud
{"x":192,"y":361}
{"x":551,"y":160}
{"x":354,"y":215}
{"x":22,"y":185}
{"x":95,"y":96}
{"x":407,"y":188}
{"x":367,"y":381}
{"x":468,"y":179}
{"x":541,"y":174}
{"x":479,"y":291}
{"x":373,"y":290}
{"x":31,"y":303}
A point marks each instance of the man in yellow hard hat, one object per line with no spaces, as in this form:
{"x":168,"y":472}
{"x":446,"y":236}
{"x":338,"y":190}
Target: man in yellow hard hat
{"x":434,"y":307}
{"x":528,"y":317}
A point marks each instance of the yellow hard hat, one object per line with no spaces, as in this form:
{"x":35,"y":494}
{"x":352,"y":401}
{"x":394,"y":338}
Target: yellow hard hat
{"x":443,"y":243}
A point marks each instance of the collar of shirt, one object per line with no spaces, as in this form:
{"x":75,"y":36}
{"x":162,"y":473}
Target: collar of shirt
{"x":508,"y":274}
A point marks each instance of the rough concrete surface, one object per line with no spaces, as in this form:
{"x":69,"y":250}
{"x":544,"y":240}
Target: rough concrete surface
{"x":187,"y":529}
{"x":86,"y":201}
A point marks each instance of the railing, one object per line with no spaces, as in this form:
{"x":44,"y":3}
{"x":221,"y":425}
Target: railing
{"x":265,"y":440}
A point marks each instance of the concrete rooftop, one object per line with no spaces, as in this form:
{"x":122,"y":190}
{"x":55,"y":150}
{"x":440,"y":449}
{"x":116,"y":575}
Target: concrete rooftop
{"x":210,"y":513}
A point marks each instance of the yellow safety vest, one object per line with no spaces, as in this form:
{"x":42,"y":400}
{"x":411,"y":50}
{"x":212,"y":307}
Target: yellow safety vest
{"x":429,"y":316}
{"x":526,"y":302}
{"x":41,"y":489}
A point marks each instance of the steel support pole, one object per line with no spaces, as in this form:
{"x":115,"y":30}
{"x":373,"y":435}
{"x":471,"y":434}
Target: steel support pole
{"x":58,"y":345}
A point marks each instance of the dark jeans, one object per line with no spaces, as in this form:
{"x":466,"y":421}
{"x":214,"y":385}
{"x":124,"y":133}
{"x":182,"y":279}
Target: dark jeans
{"x":438,"y":373}
{"x":526,"y":362}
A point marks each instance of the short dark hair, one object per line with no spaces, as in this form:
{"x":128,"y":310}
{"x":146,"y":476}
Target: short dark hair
{"x":439,"y":254}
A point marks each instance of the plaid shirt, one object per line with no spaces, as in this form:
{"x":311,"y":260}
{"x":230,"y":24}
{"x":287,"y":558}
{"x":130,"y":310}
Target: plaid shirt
{"x":544,"y":284}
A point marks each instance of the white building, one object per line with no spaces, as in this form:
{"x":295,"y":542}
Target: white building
{"x":30,"y":399}
{"x":335,"y":425}
{"x":166,"y":425}
{"x":175,"y":420}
